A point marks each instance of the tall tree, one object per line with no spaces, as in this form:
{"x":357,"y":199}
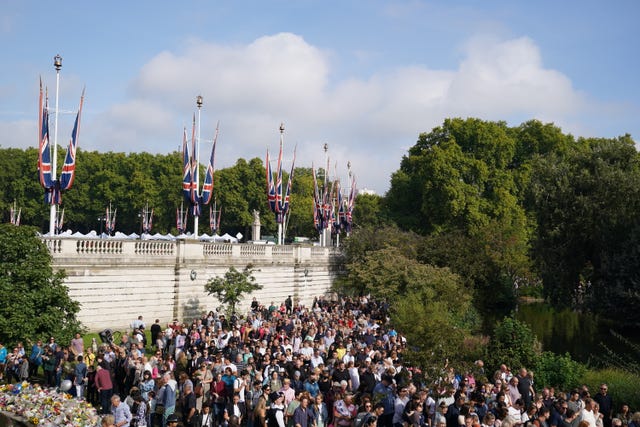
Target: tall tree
{"x":456,"y":177}
{"x":587,"y":207}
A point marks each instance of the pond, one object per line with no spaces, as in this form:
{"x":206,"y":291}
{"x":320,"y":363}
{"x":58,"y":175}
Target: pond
{"x":579,"y":334}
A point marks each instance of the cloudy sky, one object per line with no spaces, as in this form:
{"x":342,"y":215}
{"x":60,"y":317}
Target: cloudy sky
{"x":365,"y":77}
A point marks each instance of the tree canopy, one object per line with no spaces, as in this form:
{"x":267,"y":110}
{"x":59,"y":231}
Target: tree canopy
{"x":36,"y":303}
{"x":130,"y":181}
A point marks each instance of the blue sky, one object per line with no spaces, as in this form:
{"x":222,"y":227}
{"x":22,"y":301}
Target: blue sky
{"x":365,"y":77}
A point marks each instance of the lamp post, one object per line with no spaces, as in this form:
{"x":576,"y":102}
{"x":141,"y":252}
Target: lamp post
{"x":57,"y":63}
{"x":199,"y":101}
{"x":101,"y":219}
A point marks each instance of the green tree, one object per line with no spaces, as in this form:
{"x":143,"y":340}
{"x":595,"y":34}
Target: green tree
{"x":36,"y":302}
{"x":490,"y":262}
{"x":231,"y":288}
{"x":431,"y":305}
{"x":587,"y":208}
{"x":369,"y":211}
{"x":435,"y":313}
{"x":360,"y":245}
{"x":560,"y":371}
{"x":456,"y":177}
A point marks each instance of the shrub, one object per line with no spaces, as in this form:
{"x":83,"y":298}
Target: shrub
{"x":514,"y":344}
{"x":559,"y":371}
{"x":623,"y":386}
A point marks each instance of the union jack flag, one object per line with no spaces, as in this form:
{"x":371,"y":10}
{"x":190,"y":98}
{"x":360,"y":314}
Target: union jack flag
{"x":279,"y":181}
{"x":194,"y":169}
{"x":59,"y":222}
{"x":53,"y":187}
{"x":186,"y":168}
{"x":271,"y":189}
{"x":69,"y":167}
{"x":44,"y":152}
{"x":207,"y":186}
{"x":181,"y":219}
{"x":350,"y":205}
{"x":285,"y":204}
{"x":147,"y":220}
{"x":279,"y":202}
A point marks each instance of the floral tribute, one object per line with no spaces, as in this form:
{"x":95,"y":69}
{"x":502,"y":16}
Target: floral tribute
{"x":45,"y":406}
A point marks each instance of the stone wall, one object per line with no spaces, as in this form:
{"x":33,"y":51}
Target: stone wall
{"x":117,"y":280}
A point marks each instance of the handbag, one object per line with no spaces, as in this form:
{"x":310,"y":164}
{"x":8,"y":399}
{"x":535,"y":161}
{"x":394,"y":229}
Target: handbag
{"x":160,"y":409}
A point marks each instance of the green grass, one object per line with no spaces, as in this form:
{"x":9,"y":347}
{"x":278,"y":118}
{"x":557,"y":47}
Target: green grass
{"x":88,"y":337}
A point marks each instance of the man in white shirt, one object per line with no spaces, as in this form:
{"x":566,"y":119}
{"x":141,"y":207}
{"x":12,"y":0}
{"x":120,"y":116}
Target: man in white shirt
{"x":587,"y":414}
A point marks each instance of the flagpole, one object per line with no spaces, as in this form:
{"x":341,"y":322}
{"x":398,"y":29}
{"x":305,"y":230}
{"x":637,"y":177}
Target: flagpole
{"x":57,"y":63}
{"x":197,"y":170}
{"x":325,"y":231}
{"x":281,"y":202}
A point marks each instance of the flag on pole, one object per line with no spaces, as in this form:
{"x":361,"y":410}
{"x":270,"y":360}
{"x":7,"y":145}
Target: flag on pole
{"x":271,"y":189}
{"x":186,"y":168}
{"x":69,"y":167}
{"x":207,"y":186}
{"x":285,"y":204}
{"x":44,"y":151}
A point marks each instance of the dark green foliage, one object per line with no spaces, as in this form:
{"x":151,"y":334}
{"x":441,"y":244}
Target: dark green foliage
{"x":429,"y":305}
{"x":587,"y":209}
{"x":513,"y":344}
{"x":130,"y":181}
{"x":559,"y":371}
{"x":456,"y":177}
{"x":35,"y":302}
{"x":369,"y":211}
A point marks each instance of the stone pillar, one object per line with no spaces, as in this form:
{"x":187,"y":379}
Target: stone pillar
{"x":255,"y":227}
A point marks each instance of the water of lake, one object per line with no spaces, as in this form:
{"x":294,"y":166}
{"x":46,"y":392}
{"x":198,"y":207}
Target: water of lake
{"x":579,"y":334}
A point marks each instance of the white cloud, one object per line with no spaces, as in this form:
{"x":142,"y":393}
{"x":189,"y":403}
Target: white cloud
{"x":252,"y":88}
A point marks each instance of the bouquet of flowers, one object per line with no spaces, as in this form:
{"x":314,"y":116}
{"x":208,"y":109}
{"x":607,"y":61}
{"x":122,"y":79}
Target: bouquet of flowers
{"x":46,"y":407}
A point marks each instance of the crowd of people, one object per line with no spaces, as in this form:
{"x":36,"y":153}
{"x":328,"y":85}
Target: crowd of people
{"x":335,"y":364}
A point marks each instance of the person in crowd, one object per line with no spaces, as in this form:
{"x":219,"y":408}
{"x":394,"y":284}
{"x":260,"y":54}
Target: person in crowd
{"x":316,"y":358}
{"x":605,"y":404}
{"x":104,"y":386}
{"x":587,"y":414}
{"x":624,"y":415}
{"x":303,"y":416}
{"x":80,"y":377}
{"x":108,"y":421}
{"x":120,"y":411}
{"x":275,"y":414}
